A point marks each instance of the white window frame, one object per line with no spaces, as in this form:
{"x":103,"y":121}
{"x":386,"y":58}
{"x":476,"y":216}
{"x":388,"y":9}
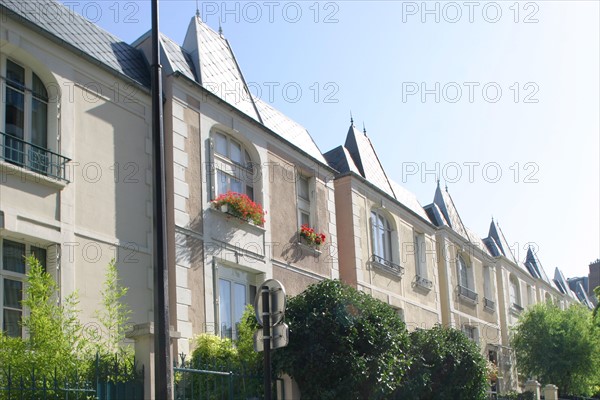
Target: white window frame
{"x":461,"y":264}
{"x":226,"y":170}
{"x":235,"y":277}
{"x":514,"y":290}
{"x":420,"y":251}
{"x":379,"y":233}
{"x":16,"y":276}
{"x":488,"y":283}
{"x":304,"y":204}
{"x":471,"y":332}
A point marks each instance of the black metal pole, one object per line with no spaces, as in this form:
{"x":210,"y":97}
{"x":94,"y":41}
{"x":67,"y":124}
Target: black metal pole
{"x":266,"y":316}
{"x":162,"y":345}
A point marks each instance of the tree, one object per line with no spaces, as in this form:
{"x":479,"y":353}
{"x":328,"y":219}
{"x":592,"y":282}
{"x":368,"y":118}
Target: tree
{"x":344,"y":344}
{"x":561,"y":347}
{"x":55,"y":334}
{"x":446,"y":365}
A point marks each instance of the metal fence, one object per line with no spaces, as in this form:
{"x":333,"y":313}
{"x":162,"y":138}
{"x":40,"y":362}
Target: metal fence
{"x":106,"y":381}
{"x":214,"y":380}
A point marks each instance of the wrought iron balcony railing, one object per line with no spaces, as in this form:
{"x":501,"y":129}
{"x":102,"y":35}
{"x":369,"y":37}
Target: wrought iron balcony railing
{"x":516,"y":307}
{"x":489,"y":304}
{"x":33,"y":158}
{"x":467,"y":293}
{"x":423,"y":282}
{"x":387,"y":265}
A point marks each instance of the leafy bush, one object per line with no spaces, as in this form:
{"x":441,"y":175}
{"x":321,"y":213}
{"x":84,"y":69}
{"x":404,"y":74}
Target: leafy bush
{"x":516,"y":396}
{"x":446,"y":365}
{"x":344,"y":344}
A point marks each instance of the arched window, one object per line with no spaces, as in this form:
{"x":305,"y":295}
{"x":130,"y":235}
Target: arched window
{"x":514,"y":291}
{"x":463,"y":273}
{"x":381,"y":230}
{"x":25,"y":118}
{"x":234,"y":171}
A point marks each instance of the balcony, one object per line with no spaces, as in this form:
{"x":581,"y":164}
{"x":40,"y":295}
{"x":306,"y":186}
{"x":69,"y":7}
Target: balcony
{"x":489,"y":304}
{"x":423,"y":282}
{"x":33,"y":158}
{"x":467,"y":294}
{"x":516,"y":308}
{"x":386,"y":265}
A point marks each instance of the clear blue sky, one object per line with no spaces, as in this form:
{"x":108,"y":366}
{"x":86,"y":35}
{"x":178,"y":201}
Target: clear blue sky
{"x":514,"y":130}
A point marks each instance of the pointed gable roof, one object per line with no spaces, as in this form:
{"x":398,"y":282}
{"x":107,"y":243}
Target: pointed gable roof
{"x":365,"y":158}
{"x":534,"y":266}
{"x":207,"y":58}
{"x":339,"y":159}
{"x":561,"y":283}
{"x":497,"y":244}
{"x":217,"y":68}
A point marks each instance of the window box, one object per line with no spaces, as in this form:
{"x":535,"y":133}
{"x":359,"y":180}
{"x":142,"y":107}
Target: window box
{"x":467,"y":294}
{"x":240,"y":206}
{"x":309,"y":248}
{"x":386,"y":265}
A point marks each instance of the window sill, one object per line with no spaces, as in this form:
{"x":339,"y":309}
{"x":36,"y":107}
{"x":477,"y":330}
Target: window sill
{"x":467,"y":295}
{"x":422,"y":284}
{"x":27,"y":175}
{"x":241,"y":222}
{"x":387,"y":266}
{"x":310,"y":249}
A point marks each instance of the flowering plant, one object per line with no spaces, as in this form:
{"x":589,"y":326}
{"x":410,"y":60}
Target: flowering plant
{"x":310,"y":236}
{"x":241,"y":206}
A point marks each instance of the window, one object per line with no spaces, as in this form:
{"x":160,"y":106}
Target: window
{"x":420,"y":255}
{"x":487,"y":283}
{"x":236,"y":290}
{"x":382,"y":236}
{"x":464,"y":273}
{"x":471,"y":332}
{"x":25,"y":118}
{"x":303,"y":190}
{"x":530,"y":295}
{"x":514,"y":292}
{"x":233,"y":167}
{"x":12,"y":278}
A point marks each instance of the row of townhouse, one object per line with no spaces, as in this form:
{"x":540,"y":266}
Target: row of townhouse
{"x":76,"y":191}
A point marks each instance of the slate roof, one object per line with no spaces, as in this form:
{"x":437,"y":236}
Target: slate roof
{"x":358,"y":155}
{"x":71,"y":29}
{"x":561,"y":283}
{"x":496,"y":243}
{"x":365,"y":158}
{"x":207,"y":58}
{"x":577,"y":286}
{"x":533,"y":265}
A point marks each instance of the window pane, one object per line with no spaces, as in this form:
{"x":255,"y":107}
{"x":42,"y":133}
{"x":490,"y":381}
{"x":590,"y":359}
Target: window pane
{"x":15,"y":112}
{"x":250,"y":192}
{"x":303,"y":187}
{"x":221,"y":144}
{"x":13,"y":293}
{"x":40,"y":254}
{"x":15,"y":75}
{"x":225,"y":307}
{"x":221,"y":182}
{"x":13,"y":256}
{"x":304,"y":218}
{"x":236,"y":152}
{"x":236,"y":185}
{"x":39,"y":123}
{"x":39,"y":90}
{"x":11,"y":323}
{"x":239,"y":302}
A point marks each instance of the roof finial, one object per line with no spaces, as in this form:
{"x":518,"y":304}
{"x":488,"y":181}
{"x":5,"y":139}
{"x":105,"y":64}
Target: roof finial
{"x":351,"y":119}
{"x":492,"y":218}
{"x":438,"y":182}
{"x":446,"y":184}
{"x":364,"y":129}
{"x":220,"y":28}
{"x":197,"y":10}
